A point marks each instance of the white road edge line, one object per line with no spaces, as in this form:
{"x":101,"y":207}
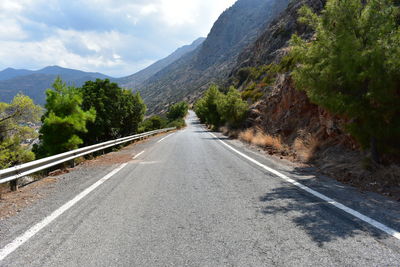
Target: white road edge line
{"x":159,"y":141}
{"x":11,"y":247}
{"x":138,"y":155}
{"x":338,"y":205}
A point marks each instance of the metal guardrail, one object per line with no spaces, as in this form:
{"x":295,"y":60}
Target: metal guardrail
{"x":19,"y":171}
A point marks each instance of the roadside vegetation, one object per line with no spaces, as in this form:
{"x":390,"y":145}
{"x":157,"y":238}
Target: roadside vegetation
{"x":97,"y":112}
{"x":73,"y":117}
{"x":16,"y":120}
{"x":174,"y":118}
{"x":217,"y":109}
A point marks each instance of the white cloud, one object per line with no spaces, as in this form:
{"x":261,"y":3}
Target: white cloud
{"x":117,"y":37}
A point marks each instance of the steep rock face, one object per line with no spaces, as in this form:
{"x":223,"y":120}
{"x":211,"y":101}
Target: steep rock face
{"x":267,"y":48}
{"x":188,"y":77}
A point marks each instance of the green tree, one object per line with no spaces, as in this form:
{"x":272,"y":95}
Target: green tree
{"x":178,"y":111}
{"x":119,"y":111}
{"x":133,"y":112}
{"x":105,"y":98}
{"x":153,"y":123}
{"x":16,"y":121}
{"x":352,"y":67}
{"x":232,"y":108}
{"x":207,"y":107}
{"x":63,"y":121}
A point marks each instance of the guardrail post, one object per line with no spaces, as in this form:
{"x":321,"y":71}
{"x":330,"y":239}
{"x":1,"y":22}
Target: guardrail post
{"x":14,"y":185}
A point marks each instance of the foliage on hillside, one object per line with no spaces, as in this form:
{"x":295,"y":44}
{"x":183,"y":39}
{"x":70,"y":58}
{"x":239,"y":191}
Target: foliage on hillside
{"x":153,"y":123}
{"x":63,"y":121}
{"x":178,"y":111}
{"x":352,"y":68}
{"x":216,"y":108}
{"x":14,"y":128}
{"x":175,"y":118}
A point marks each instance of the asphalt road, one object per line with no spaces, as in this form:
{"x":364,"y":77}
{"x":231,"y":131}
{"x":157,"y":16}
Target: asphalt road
{"x":188,"y":200}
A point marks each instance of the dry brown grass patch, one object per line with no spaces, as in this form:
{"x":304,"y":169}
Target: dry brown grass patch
{"x":261,"y":139}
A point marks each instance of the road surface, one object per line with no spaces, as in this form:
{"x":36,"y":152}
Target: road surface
{"x":185,"y":199}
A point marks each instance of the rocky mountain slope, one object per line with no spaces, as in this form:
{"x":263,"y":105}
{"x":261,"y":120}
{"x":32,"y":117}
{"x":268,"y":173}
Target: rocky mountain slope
{"x":212,"y":61}
{"x":35,"y":83}
{"x":135,"y":80}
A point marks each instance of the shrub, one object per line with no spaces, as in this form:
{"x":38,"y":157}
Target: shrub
{"x":178,"y":111}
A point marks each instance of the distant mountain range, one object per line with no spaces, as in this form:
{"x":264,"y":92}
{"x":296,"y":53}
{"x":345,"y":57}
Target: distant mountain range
{"x":68,"y":74}
{"x":35,"y":83}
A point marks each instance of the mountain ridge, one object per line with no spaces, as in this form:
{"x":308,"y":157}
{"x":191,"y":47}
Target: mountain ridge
{"x":35,"y":83}
{"x":212,"y":62}
{"x":134,"y":80}
{"x":11,"y":73}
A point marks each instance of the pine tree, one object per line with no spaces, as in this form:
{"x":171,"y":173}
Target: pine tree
{"x":63,"y":121}
{"x":352,"y":68}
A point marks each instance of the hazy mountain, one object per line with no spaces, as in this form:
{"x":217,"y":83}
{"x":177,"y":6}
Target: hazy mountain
{"x":69,"y":74}
{"x":189,"y":76}
{"x":10,"y":73}
{"x":35,"y":83}
{"x":138,"y":78}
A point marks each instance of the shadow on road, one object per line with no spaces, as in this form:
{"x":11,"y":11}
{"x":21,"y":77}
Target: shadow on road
{"x":321,"y":221}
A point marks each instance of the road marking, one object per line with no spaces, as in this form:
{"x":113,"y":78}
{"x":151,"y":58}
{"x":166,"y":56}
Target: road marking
{"x":329,"y":200}
{"x":159,"y":141}
{"x":135,"y":157}
{"x":11,"y":247}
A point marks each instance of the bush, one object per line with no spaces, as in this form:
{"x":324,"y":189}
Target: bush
{"x":232,"y":108}
{"x":216,"y":108}
{"x":207,"y":107}
{"x":153,"y":123}
{"x":178,"y":111}
{"x":178,"y":123}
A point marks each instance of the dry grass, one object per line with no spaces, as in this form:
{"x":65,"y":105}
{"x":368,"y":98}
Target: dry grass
{"x":305,"y":148}
{"x":261,"y":139}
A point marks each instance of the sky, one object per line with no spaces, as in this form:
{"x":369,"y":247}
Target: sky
{"x":114,"y":37}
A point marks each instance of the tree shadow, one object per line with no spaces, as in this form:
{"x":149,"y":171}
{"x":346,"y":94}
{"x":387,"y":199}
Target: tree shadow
{"x":318,"y":219}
